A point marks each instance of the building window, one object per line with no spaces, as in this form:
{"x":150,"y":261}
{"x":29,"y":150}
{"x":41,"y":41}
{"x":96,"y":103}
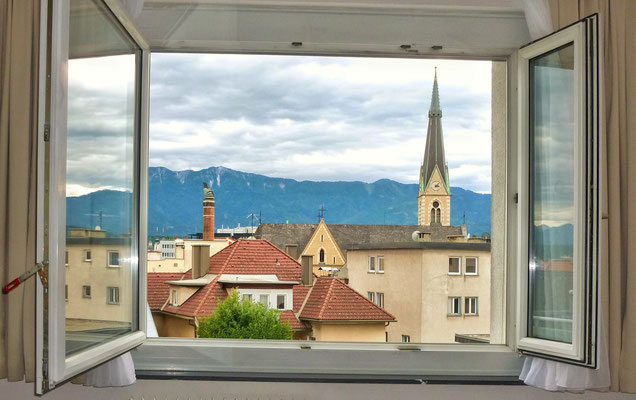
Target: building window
{"x":247,"y":297}
{"x":113,"y":295}
{"x":380,"y":264}
{"x":406,"y":339}
{"x":380,"y":299}
{"x":175,"y":297}
{"x":113,"y":259}
{"x":371,"y":264}
{"x":471,"y":266}
{"x":321,"y":256}
{"x":264,"y":299}
{"x":87,"y":255}
{"x":454,"y":306}
{"x":66,"y":292}
{"x":334,"y":259}
{"x":66,"y":258}
{"x":322,"y":238}
{"x":86,"y":291}
{"x":371,"y":296}
{"x":454,"y":266}
{"x":470,"y":306}
{"x":280,"y":301}
{"x":436,"y":213}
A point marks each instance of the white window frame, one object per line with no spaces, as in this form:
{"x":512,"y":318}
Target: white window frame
{"x":406,"y":338}
{"x":53,"y":367}
{"x":86,"y":294}
{"x":453,"y":311}
{"x":476,"y":266}
{"x":380,"y":264}
{"x":379,"y":299}
{"x":260,"y":299}
{"x":108,"y":259}
{"x":285,"y":305}
{"x":459,"y":265}
{"x":371,"y":263}
{"x":85,"y":252}
{"x":174,"y":297}
{"x":471,"y":305}
{"x":582,"y":350}
{"x":371,"y":297}
{"x":493,"y":360}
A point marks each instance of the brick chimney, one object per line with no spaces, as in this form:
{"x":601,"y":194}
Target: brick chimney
{"x":208,"y":213}
{"x":307,"y":263}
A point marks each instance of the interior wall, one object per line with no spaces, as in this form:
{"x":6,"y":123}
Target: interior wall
{"x":172,"y":389}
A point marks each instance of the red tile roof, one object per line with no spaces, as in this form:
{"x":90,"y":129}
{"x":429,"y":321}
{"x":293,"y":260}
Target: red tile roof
{"x":333,"y":300}
{"x":329,"y":298}
{"x":158,"y":289}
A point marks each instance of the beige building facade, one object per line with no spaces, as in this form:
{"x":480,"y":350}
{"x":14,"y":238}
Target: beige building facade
{"x":183,"y":255}
{"x":435,"y":290}
{"x":99,"y":281}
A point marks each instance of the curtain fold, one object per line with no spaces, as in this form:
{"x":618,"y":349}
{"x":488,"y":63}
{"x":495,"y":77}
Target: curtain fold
{"x":619,"y":277}
{"x":19,"y":41}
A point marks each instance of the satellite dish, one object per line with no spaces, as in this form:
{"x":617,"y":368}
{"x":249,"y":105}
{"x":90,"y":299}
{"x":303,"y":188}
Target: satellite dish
{"x":485,"y":235}
{"x":415,"y":236}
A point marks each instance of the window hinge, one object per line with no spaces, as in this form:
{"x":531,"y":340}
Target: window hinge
{"x":47,"y":132}
{"x":45,"y":375}
{"x":516,"y":198}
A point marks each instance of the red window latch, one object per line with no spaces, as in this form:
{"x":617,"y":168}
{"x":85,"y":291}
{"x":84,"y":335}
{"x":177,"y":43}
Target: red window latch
{"x":16,"y":282}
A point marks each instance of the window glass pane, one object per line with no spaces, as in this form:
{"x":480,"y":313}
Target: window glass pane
{"x":453,"y":265}
{"x":264,"y":299}
{"x":471,"y":265}
{"x":280,"y":301}
{"x":101,"y":183}
{"x":552,"y":212}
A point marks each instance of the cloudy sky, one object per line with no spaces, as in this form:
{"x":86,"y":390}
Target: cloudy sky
{"x":318,"y":118}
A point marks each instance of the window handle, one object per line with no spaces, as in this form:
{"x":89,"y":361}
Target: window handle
{"x":17,"y":281}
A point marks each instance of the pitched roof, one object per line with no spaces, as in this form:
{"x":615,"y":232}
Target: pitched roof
{"x":332,"y":299}
{"x":158,"y":289}
{"x":349,"y":235}
{"x":328,"y":299}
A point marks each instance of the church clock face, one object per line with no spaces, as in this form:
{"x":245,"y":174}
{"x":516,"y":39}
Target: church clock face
{"x":436,"y":185}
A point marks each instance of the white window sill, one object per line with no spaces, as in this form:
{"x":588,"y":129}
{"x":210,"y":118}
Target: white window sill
{"x":249,"y":359}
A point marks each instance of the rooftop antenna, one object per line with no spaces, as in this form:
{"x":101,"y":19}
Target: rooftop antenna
{"x":252,"y":215}
{"x":101,"y":216}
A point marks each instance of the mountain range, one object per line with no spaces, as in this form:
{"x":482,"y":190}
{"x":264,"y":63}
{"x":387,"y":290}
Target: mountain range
{"x":175,"y":202}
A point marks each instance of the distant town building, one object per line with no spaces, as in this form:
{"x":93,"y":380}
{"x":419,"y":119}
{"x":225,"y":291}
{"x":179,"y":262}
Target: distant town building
{"x":239,"y":230}
{"x":436,"y":290}
{"x":98,"y":281}
{"x":317,"y":308}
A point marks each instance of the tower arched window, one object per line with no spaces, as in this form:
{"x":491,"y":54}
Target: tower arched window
{"x":321,"y":255}
{"x":436,"y":213}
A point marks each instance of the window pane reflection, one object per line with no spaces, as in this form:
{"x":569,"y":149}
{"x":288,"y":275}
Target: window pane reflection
{"x":552,"y":213}
{"x":101,"y":235}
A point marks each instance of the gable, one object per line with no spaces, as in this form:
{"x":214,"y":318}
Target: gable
{"x":323,"y":239}
{"x":436,"y":176}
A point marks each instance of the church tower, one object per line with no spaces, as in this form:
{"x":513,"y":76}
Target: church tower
{"x":434,"y":197}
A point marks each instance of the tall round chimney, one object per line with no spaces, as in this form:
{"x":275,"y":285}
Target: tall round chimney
{"x":208,"y":213}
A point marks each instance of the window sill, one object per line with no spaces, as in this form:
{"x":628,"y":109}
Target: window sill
{"x":284,"y":360}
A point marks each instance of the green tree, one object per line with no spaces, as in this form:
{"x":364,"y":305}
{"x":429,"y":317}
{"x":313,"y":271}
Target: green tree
{"x":243,"y":319}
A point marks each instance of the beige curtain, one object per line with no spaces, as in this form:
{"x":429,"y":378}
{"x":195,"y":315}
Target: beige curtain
{"x":19,"y":30}
{"x":618,"y":18}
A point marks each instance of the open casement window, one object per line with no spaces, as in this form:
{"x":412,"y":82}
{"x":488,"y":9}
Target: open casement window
{"x":94,"y":129}
{"x":559,"y":194}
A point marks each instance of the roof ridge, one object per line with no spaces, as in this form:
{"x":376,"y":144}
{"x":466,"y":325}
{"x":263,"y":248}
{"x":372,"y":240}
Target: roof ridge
{"x":327,"y":296}
{"x":281,"y":251}
{"x":364,"y":297}
{"x":311,"y":289}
